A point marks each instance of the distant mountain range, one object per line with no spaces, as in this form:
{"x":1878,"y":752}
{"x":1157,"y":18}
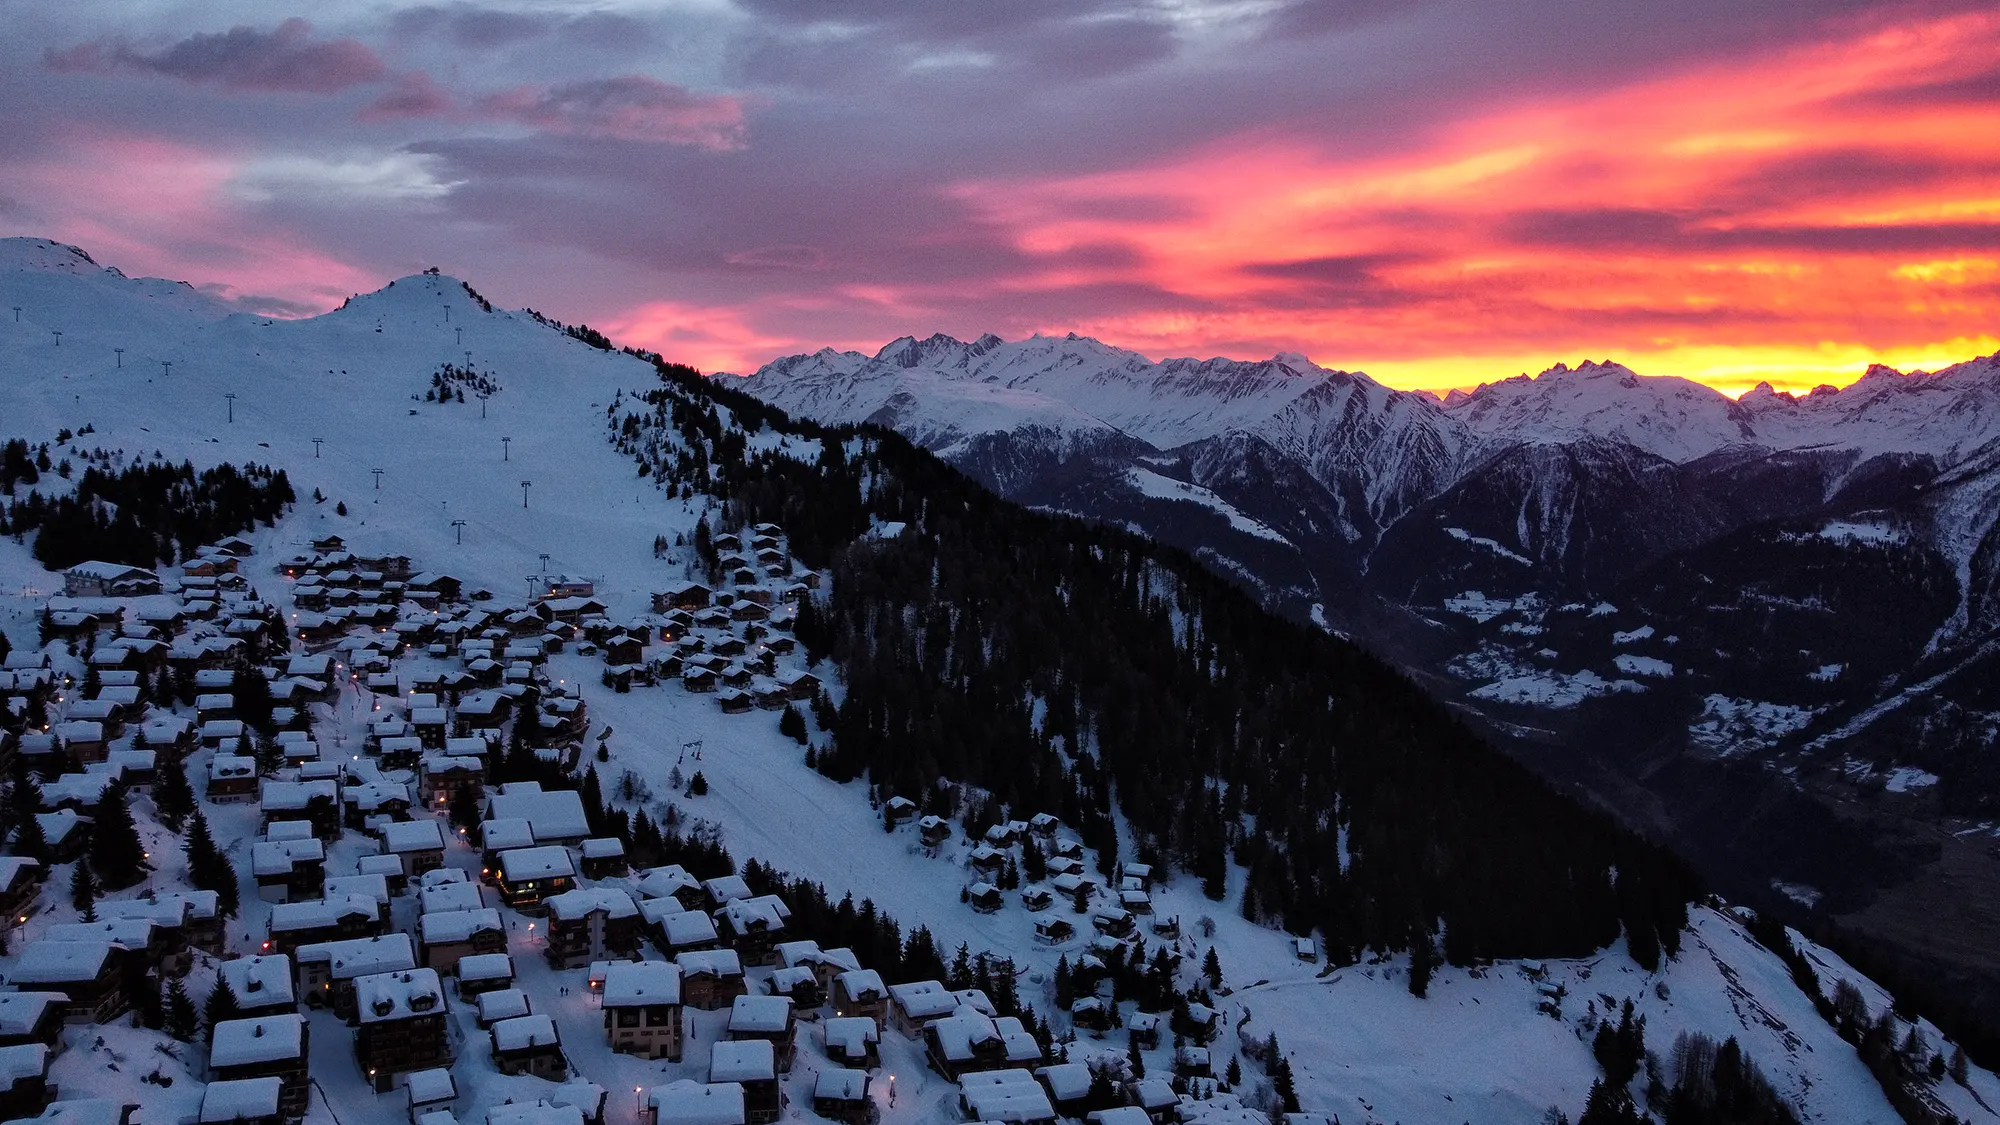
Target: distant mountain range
{"x":1645,"y":585}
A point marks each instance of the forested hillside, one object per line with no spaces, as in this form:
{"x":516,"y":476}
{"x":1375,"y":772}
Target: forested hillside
{"x":1068,"y":667}
{"x":143,"y":514}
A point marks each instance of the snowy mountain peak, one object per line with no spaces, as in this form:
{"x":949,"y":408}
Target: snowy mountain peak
{"x":30,"y":254}
{"x":1670,"y":417}
{"x":60,"y":287}
{"x":422,"y":297}
{"x":1070,"y":385}
{"x":1588,"y":368}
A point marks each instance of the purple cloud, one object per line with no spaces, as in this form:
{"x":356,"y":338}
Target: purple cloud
{"x":630,"y":108}
{"x":413,"y":95}
{"x":243,"y":58}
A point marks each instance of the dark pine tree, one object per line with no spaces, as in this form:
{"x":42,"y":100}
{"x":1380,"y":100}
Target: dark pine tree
{"x":792,"y":725}
{"x":253,"y":698}
{"x":28,"y":838}
{"x":1282,"y":1084}
{"x":115,"y":851}
{"x":221,"y":1007}
{"x":144,"y":993}
{"x":1423,"y":959}
{"x":83,"y":892}
{"x":182,"y":1022}
{"x":464,"y":808}
{"x":173,"y":797}
{"x":208,"y":868}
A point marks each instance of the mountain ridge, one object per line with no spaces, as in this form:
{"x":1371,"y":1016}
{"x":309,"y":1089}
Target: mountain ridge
{"x":1603,"y":569}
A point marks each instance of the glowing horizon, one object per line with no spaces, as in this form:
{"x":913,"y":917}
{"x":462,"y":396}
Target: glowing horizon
{"x":1804,"y":200}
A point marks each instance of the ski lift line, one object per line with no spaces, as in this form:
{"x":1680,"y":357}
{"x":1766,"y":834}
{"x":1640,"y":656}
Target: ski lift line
{"x":395,"y":488}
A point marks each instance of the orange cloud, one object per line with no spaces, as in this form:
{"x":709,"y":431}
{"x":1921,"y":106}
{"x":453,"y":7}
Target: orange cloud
{"x":707,"y":337}
{"x":1794,"y":217}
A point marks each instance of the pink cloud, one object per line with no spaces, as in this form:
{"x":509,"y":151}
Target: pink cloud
{"x":243,"y":58}
{"x":155,"y":207}
{"x":708,"y":337}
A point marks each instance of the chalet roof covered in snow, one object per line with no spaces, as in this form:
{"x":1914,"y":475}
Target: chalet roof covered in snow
{"x":711,"y":962}
{"x":450,"y":896}
{"x":259,"y":1040}
{"x":959,"y":1034}
{"x":1005,"y":1095}
{"x":727,"y":888}
{"x":760,"y":1015}
{"x":861,"y":983}
{"x":503,"y":1004}
{"x":278,"y":857}
{"x":21,"y":1011}
{"x":1068,"y":1081}
{"x":106,"y":571}
{"x":399,"y":995}
{"x":697,"y":1103}
{"x":584,"y":901}
{"x":841,"y":1083}
{"x":412,"y":836}
{"x":443,"y":927}
{"x":850,"y":1034}
{"x":523,"y":864}
{"x":525,"y":1032}
{"x":552,"y":814}
{"x":684,"y":927}
{"x":748,"y":1060}
{"x":745,"y":914}
{"x":427,"y":1087}
{"x":321,"y":912}
{"x":23,"y":1060}
{"x":240,"y":1099}
{"x":486,"y":966}
{"x":257,"y":981}
{"x":923,"y":1000}
{"x":641,"y":983}
{"x":59,"y":962}
{"x":356,"y":957}
{"x":506,"y":832}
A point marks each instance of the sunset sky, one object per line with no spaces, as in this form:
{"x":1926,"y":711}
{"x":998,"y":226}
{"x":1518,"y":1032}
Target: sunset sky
{"x":1438,"y":193}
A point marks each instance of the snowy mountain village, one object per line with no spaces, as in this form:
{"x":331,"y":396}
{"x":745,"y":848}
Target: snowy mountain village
{"x":317,"y":812}
{"x":423,"y":919}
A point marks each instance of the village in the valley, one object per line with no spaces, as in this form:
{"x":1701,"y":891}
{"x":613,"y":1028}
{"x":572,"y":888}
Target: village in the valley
{"x":412,"y":929}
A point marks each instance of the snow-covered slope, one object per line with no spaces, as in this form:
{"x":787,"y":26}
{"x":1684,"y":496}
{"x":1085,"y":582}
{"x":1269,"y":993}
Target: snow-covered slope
{"x":334,"y":398}
{"x":353,"y":377}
